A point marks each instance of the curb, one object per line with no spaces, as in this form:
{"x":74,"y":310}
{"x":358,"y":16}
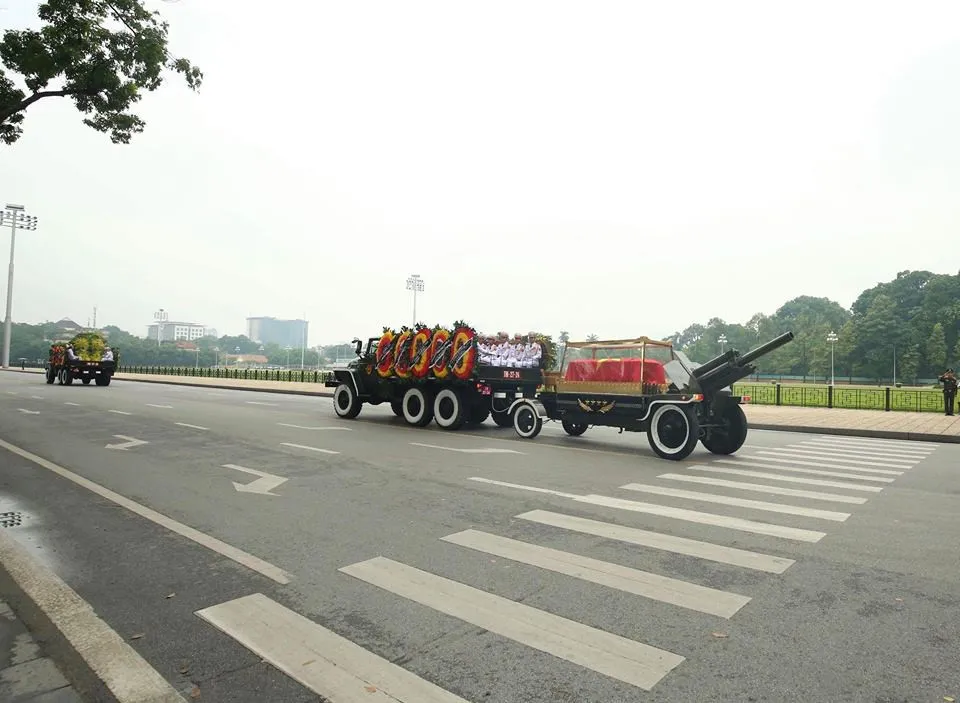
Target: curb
{"x":855,"y":432}
{"x":97,"y":662}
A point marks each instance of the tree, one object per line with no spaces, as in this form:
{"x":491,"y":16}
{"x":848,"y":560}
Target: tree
{"x":592,"y":338}
{"x":935,"y":352}
{"x":102,"y":53}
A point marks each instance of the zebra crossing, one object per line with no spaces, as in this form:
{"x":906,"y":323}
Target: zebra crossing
{"x":839,"y":474}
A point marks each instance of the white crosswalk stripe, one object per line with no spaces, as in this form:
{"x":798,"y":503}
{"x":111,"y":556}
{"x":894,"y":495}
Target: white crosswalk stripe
{"x":918,"y":447}
{"x":343,"y":672}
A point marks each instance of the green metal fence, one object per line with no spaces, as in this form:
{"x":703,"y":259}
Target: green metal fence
{"x":808,"y":396}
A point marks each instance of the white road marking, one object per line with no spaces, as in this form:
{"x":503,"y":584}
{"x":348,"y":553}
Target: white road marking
{"x":657,"y":540}
{"x":618,"y":657}
{"x":486,"y":450}
{"x":213,"y":544}
{"x":28,"y":412}
{"x":797,"y":462}
{"x":263,"y":485}
{"x":786,"y":478}
{"x":119,"y":412}
{"x":193,"y":427}
{"x":907,"y":445}
{"x":833,"y":459}
{"x":37,"y":397}
{"x":763,"y":488}
{"x":739,"y":502}
{"x":12,"y":393}
{"x":798,"y":470}
{"x":760,"y":528}
{"x":127,"y":444}
{"x":841,"y":450}
{"x":321,"y":660}
{"x":641,"y":583}
{"x":301,"y":427}
{"x":76,"y":405}
{"x":312,"y":449}
{"x":257,"y":402}
{"x":152,"y":405}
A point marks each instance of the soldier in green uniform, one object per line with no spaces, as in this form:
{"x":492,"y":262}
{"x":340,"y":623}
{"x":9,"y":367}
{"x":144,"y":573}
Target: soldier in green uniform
{"x":949,"y":381}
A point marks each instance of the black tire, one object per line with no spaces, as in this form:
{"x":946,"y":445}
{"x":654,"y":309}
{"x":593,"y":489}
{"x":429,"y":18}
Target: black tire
{"x":397,"y":407}
{"x":673,"y":431}
{"x":448,"y":409}
{"x":502,"y":419}
{"x":86,"y":381}
{"x":101,"y":380}
{"x":346,"y":404}
{"x":479,"y":414}
{"x":417,"y":407}
{"x":51,"y":375}
{"x":527,"y":422}
{"x":67,"y":377}
{"x":574,"y":429}
{"x":731,"y":436}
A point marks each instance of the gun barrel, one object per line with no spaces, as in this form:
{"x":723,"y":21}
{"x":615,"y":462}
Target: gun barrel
{"x":715,"y":362}
{"x":765,"y":349}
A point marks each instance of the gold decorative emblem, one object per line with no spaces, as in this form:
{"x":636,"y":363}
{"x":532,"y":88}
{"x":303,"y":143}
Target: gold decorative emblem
{"x":596,"y":406}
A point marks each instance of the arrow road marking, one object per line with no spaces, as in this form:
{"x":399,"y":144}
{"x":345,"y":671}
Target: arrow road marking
{"x":262,"y":485}
{"x":301,"y":427}
{"x":151,"y":405}
{"x":28,"y":412}
{"x":130,"y":442}
{"x":303,"y":446}
{"x":119,"y":412}
{"x":487,"y":450}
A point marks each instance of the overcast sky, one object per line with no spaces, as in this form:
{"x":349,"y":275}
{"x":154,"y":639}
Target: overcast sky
{"x":604,"y":167}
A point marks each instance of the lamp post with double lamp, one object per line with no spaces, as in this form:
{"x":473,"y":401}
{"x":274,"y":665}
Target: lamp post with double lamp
{"x":161,"y":316}
{"x":13,"y":217}
{"x":832,"y":338}
{"x":723,"y":342}
{"x":415,"y":283}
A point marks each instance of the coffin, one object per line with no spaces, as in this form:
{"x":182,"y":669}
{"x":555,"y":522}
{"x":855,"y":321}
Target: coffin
{"x":616,"y":371}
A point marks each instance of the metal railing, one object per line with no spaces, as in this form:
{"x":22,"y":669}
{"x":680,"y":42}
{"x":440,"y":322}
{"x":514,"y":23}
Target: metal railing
{"x":291,"y":375}
{"x":885,"y":398}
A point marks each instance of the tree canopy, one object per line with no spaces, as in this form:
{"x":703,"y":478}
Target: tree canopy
{"x":101,"y":54}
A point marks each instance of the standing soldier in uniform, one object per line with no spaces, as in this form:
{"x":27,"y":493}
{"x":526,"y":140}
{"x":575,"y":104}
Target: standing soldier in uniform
{"x":949,"y":381}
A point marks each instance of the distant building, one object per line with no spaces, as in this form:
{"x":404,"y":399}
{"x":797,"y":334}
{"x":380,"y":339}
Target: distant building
{"x":66,"y":328}
{"x":270,"y":330}
{"x":176,"y":331}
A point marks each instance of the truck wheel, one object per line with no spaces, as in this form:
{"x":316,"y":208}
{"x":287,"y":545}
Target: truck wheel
{"x":526,"y":421}
{"x":67,"y":377}
{"x":86,"y":381}
{"x":673,"y":431}
{"x":574,"y":429}
{"x":397,"y":407}
{"x":730,"y":437}
{"x":479,"y":414}
{"x":502,"y":419}
{"x":51,"y":376}
{"x":417,"y":407}
{"x":345,"y":402}
{"x":101,"y":380}
{"x":448,"y":410}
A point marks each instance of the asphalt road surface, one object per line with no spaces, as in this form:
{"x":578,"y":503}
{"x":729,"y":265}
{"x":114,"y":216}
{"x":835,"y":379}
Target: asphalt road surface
{"x":254,"y":547}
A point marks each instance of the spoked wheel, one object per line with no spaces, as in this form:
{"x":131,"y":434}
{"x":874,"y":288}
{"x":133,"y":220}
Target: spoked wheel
{"x":527,"y":421}
{"x":345,"y":402}
{"x":731,"y":436}
{"x":448,"y":409}
{"x":673,"y":431}
{"x":417,"y":407}
{"x":574,"y":429}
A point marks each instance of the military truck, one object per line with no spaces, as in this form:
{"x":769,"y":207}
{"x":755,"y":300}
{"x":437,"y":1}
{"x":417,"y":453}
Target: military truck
{"x":87,"y":357}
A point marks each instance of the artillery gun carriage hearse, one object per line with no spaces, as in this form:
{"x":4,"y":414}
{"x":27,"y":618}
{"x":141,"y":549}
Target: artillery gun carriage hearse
{"x":644,"y":385}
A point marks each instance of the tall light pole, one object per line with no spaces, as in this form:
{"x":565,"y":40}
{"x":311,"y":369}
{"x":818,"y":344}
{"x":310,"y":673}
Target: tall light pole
{"x":723,"y":342}
{"x":161,"y":316}
{"x":832,"y":338}
{"x":415,"y":283}
{"x":13,"y":217}
{"x":288,"y":349}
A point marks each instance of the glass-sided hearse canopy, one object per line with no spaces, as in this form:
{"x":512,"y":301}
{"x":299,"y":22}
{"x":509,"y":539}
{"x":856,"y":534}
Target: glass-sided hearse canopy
{"x":621,"y":366}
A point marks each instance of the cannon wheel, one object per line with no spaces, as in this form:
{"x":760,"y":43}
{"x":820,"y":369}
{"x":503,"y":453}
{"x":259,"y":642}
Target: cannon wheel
{"x":345,"y":402}
{"x":673,"y":431}
{"x":574,"y":429}
{"x":730,"y":437}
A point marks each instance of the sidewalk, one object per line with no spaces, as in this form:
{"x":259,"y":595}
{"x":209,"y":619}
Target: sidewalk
{"x":26,"y":673}
{"x":930,"y":427}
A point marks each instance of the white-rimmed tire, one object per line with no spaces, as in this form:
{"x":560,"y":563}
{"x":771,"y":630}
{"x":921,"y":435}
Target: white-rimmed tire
{"x":527,"y":422}
{"x":448,"y":409}
{"x":673,"y":431}
{"x":345,"y":402}
{"x":417,"y":407}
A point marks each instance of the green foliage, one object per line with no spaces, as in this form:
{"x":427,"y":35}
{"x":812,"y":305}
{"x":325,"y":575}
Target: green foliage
{"x":101,"y":53}
{"x":936,"y":347}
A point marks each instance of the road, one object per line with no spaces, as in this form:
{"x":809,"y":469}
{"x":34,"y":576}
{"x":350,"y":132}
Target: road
{"x":254,"y":547}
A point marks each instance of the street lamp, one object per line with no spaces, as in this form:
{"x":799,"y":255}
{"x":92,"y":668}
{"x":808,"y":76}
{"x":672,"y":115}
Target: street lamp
{"x":161,"y":316}
{"x":13,"y":217}
{"x":288,"y":350}
{"x":723,"y":342}
{"x":216,"y":357}
{"x":415,"y":283}
{"x":832,"y":338}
